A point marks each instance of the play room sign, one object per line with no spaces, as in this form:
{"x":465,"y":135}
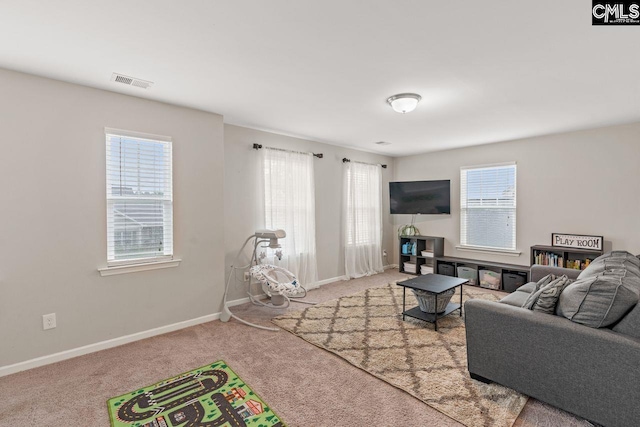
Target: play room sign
{"x":577,"y":241}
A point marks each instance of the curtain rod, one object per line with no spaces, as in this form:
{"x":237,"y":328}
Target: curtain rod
{"x":259,"y":146}
{"x":345,"y":160}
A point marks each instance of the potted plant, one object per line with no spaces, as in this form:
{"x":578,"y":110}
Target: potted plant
{"x":408,"y":230}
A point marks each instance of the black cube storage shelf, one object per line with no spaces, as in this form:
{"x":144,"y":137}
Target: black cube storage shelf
{"x":433,"y":245}
{"x":510,"y":274}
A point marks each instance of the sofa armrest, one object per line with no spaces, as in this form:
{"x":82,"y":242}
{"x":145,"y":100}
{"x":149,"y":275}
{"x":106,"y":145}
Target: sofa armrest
{"x":590,"y":372}
{"x":539,"y":271}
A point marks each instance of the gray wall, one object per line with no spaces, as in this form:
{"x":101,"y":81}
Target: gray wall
{"x":53,"y":218}
{"x":241,"y":202}
{"x":583,"y":182}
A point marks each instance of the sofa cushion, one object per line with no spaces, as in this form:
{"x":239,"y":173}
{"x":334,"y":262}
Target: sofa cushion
{"x":540,"y":287}
{"x":528,"y":288}
{"x":630,"y":324}
{"x":516,"y":298}
{"x":602,"y":299}
{"x":548,"y":296}
{"x":612,"y":261}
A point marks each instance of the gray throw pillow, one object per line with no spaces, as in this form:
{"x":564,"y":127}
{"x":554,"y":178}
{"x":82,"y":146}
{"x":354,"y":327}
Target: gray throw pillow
{"x":600,"y":300}
{"x":546,"y":298}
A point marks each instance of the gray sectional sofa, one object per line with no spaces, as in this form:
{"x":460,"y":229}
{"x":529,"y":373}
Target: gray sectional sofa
{"x":593,"y":372}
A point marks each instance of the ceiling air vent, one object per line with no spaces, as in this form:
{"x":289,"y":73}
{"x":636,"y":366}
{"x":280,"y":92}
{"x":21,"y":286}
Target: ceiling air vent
{"x":382,"y":143}
{"x":130,"y":81}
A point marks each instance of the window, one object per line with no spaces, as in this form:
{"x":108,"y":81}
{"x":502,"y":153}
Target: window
{"x":139,"y":198}
{"x":488,"y":207}
{"x":362,"y":218}
{"x":289,"y":204}
{"x":363,"y":204}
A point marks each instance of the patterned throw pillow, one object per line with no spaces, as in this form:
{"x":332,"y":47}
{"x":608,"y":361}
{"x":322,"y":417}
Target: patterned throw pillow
{"x":544,"y":281}
{"x":550,"y":294}
{"x":546,"y":297}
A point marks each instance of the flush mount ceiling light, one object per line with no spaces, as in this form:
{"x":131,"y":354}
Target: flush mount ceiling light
{"x":404,"y":102}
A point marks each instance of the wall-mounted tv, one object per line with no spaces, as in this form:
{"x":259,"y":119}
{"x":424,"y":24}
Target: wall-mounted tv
{"x":420,"y":197}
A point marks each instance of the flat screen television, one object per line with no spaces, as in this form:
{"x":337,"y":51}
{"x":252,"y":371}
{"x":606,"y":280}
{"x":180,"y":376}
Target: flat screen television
{"x":420,"y":197}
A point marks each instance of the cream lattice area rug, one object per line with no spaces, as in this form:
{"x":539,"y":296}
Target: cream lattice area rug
{"x":367,"y":330}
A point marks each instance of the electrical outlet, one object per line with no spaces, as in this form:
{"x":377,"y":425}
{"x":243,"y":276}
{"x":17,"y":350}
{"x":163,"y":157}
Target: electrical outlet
{"x":247,"y":276}
{"x":384,"y":253}
{"x":48,"y":321}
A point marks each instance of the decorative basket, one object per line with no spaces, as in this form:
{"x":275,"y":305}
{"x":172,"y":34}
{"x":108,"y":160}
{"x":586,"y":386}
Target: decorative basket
{"x":427,"y":301}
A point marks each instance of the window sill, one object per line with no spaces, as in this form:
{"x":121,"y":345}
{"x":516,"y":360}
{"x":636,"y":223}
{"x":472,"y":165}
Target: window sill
{"x":488,"y":250}
{"x":134,"y":268}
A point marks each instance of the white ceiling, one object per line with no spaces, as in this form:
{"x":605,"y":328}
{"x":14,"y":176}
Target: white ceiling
{"x":487,"y":71}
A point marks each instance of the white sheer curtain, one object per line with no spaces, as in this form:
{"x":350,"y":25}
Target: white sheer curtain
{"x":289,"y":204}
{"x":362,"y":219}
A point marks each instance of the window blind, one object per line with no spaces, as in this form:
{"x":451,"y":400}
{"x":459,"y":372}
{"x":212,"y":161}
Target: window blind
{"x":139,"y":198}
{"x":488,"y":207}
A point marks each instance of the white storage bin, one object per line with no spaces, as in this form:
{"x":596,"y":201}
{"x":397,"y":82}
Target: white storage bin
{"x":409,"y":267}
{"x":427,"y":254}
{"x":425,"y":269}
{"x":469,"y":273}
{"x":489,"y":279}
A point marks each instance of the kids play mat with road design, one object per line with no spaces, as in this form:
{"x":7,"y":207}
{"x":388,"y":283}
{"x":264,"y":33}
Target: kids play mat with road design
{"x":209,"y":396}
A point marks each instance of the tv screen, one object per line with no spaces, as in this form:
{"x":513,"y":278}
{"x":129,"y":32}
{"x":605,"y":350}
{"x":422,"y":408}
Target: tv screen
{"x":420,"y":197}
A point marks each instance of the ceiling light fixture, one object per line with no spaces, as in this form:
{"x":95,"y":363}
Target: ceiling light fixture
{"x":404,"y":102}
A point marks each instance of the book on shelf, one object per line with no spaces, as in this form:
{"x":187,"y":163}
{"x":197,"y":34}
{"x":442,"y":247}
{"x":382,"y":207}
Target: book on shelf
{"x":574,"y":258}
{"x":579,"y":264}
{"x":555,"y":260}
{"x":575,"y":264}
{"x":548,"y":258}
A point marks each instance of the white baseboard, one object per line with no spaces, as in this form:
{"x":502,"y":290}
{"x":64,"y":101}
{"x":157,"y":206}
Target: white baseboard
{"x":345,"y":277}
{"x":115,"y":342}
{"x":327,"y":281}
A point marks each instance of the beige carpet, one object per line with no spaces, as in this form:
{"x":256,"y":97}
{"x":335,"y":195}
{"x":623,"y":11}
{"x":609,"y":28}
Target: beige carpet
{"x":305,"y":385}
{"x":367,"y":330}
